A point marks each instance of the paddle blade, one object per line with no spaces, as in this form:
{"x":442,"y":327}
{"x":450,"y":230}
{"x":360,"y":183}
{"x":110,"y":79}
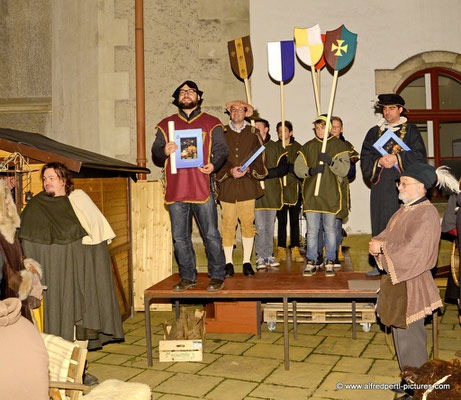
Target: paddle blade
{"x":281,"y":60}
{"x":241,"y":57}
{"x":321,"y":63}
{"x":340,"y":46}
{"x":309,"y":45}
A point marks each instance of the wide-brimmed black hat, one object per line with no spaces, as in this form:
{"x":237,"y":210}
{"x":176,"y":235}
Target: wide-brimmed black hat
{"x":391,"y":99}
{"x":191,"y":84}
{"x":423,"y":173}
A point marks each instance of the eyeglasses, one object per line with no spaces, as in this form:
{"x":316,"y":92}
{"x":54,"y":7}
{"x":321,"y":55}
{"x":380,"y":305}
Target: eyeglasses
{"x":239,"y":109}
{"x":404,"y":184}
{"x":182,"y":92}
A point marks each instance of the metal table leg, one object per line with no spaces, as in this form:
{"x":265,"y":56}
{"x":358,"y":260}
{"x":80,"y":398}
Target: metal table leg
{"x":295,"y":319}
{"x":354,"y":321}
{"x":258,"y":318}
{"x":148,"y":331}
{"x":176,"y":306}
{"x":285,"y":333}
{"x":435,"y":334}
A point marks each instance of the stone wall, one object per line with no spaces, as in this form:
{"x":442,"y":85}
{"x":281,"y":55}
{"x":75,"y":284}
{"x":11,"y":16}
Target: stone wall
{"x":389,"y":80}
{"x":181,"y":43}
{"x":68,"y":67}
{"x":85,"y":81}
{"x":25,"y":65}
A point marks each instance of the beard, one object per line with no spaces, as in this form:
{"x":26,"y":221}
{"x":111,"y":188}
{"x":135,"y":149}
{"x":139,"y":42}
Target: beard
{"x":404,"y":198}
{"x":189,"y":105}
{"x":50,"y":193}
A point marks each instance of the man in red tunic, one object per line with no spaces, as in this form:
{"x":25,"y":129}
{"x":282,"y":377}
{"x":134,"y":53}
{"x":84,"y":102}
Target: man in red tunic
{"x":189,"y":191}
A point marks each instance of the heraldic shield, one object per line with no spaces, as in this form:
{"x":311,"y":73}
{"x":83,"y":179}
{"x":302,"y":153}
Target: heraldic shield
{"x":241,"y":57}
{"x":321,"y":63}
{"x":281,"y":60}
{"x":340,"y":46}
{"x":309,"y":45}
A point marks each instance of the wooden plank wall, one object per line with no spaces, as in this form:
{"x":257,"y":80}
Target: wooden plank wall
{"x":152,"y":244}
{"x":111,"y":195}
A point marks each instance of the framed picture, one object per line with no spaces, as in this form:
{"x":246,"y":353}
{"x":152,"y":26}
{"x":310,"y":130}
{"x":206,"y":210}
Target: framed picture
{"x":189,"y":153}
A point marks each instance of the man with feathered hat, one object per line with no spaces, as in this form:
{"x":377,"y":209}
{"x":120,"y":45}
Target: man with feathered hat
{"x":381,"y":171}
{"x":406,"y":250}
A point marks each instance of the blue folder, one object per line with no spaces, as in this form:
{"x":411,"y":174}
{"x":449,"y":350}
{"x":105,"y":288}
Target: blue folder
{"x":252,"y":158}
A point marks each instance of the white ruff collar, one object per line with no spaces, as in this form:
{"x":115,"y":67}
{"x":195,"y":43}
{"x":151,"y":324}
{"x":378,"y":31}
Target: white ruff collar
{"x":384,"y":125}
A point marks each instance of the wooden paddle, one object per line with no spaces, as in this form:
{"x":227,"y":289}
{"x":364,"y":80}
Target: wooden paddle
{"x":309,"y":49}
{"x":340,"y":46}
{"x":281,"y":66}
{"x":241,"y":60}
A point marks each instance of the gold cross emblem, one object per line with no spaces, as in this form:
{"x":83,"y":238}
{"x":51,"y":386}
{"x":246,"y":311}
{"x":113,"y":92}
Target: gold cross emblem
{"x":339,"y":48}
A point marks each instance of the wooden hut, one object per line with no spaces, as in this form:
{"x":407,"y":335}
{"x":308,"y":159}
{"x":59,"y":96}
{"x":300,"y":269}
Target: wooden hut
{"x":106,"y":180}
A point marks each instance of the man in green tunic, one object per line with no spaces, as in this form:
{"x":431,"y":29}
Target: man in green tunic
{"x":267,"y":205}
{"x":324,"y":207}
{"x":291,"y":200}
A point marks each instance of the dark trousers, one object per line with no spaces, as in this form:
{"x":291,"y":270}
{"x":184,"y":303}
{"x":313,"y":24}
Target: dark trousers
{"x":294,"y":225}
{"x":410,"y":344}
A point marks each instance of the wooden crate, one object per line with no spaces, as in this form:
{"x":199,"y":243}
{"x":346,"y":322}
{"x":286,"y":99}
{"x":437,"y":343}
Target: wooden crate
{"x":180,"y":350}
{"x":314,"y":313}
{"x":183,"y":350}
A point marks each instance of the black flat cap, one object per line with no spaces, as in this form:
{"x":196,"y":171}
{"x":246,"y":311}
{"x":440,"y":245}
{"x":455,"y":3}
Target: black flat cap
{"x":191,"y":84}
{"x":390,"y":99}
{"x":423,"y":173}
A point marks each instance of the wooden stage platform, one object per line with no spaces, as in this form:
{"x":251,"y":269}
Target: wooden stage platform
{"x":279,"y":285}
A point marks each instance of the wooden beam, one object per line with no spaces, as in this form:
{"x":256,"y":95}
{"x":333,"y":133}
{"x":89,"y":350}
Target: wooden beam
{"x":38,"y":155}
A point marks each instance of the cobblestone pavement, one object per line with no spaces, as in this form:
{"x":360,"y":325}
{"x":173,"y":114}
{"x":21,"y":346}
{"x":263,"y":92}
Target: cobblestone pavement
{"x":324,"y":359}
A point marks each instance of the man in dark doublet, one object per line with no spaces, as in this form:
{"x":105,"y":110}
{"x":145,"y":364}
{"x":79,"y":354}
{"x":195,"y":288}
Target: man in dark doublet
{"x":381,"y":171}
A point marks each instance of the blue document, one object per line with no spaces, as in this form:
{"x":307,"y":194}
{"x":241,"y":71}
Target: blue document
{"x":189,"y":153}
{"x":252,"y":158}
{"x":390,"y":143}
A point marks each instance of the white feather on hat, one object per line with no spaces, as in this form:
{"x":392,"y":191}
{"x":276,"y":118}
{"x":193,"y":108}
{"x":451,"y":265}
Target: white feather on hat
{"x":445,"y":180}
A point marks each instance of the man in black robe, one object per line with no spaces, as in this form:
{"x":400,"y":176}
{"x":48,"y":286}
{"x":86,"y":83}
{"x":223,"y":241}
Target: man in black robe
{"x":381,"y":171}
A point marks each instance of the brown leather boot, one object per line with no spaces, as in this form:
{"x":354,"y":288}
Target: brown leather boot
{"x":296,"y":255}
{"x":281,"y":254}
